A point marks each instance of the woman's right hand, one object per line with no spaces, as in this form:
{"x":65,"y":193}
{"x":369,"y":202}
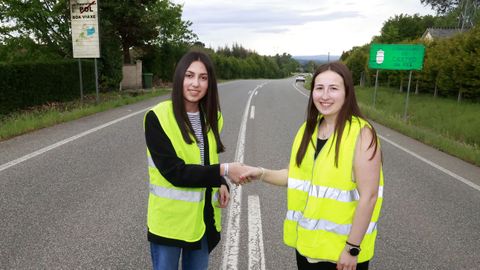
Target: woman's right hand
{"x":252,"y":173}
{"x":240,"y":173}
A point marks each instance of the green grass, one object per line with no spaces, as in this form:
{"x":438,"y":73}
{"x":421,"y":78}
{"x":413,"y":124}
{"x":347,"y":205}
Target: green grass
{"x":51,"y":114}
{"x":449,"y":126}
{"x":444,"y":124}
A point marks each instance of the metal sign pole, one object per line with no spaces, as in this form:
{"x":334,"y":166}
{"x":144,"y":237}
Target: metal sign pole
{"x":408,"y":93}
{"x":81,"y":78}
{"x":96,"y":80}
{"x":375,"y":91}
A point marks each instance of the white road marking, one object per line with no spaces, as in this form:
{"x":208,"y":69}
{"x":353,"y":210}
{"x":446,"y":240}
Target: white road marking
{"x":232,"y":241}
{"x":252,"y":112}
{"x":60,"y":143}
{"x":436,"y":166}
{"x":300,"y":91}
{"x":256,"y":253}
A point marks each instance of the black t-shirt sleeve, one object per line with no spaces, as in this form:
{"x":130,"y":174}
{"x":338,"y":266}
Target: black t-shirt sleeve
{"x":171,"y":166}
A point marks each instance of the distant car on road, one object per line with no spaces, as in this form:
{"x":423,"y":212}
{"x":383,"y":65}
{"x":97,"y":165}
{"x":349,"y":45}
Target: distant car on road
{"x":300,"y":78}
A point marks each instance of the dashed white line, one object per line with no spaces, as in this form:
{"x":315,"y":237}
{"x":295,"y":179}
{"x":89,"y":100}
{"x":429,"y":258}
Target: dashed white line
{"x":252,"y":112}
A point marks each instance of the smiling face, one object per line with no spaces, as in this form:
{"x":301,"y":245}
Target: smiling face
{"x":195,"y":85}
{"x":328,"y":93}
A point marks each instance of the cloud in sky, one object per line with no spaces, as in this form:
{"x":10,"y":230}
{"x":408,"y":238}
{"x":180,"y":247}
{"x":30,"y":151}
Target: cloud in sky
{"x":297,"y":27}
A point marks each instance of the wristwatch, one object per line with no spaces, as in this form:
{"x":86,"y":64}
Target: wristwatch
{"x":353,"y":250}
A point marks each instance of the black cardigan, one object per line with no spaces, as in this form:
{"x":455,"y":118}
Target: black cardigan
{"x":180,"y":174}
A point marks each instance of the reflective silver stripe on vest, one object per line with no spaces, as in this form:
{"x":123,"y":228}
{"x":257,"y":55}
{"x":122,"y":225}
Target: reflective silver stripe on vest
{"x":298,"y":184}
{"x":328,"y":192}
{"x":325,"y":225}
{"x":175,"y":194}
{"x":215,"y":197}
{"x":150,"y":162}
{"x":334,"y":194}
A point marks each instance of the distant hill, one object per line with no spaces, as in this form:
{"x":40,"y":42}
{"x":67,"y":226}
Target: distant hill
{"x":319,"y":59}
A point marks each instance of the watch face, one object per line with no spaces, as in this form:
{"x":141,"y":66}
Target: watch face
{"x":354,"y":251}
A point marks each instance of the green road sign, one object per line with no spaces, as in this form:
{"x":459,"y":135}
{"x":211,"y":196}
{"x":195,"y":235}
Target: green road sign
{"x":396,"y":56}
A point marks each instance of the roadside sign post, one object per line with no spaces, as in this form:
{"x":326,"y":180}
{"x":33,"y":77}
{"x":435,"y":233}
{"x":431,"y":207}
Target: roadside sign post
{"x":408,"y":94}
{"x":396,"y":57}
{"x":81,"y":79}
{"x":85,"y":34}
{"x":375,"y":91}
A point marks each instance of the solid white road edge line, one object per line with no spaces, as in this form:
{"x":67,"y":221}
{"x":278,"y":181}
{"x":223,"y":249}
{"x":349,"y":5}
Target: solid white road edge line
{"x":300,"y":91}
{"x":60,"y":143}
{"x":436,"y":166}
{"x":256,"y":254}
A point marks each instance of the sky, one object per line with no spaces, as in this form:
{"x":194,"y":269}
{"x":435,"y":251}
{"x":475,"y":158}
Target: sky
{"x":299,"y":28}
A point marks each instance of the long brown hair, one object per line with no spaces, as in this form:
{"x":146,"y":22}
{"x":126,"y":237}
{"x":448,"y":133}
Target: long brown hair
{"x":350,"y":108}
{"x":209,"y":104}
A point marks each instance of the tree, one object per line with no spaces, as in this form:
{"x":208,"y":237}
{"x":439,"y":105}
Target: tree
{"x":124,"y":24}
{"x":404,"y":27}
{"x":357,"y":62}
{"x":466,"y":11}
{"x":46,"y":22}
{"x":146,"y":22}
{"x":445,"y":6}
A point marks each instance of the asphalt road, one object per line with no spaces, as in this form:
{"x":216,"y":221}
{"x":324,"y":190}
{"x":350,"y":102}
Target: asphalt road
{"x":74,"y":196}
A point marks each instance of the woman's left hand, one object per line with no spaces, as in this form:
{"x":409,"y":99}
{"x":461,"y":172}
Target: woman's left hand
{"x":224,"y":197}
{"x":347,"y":261}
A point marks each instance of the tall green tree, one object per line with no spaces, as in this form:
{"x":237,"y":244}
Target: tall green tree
{"x":466,"y":12}
{"x":445,"y":6}
{"x":42,"y":27}
{"x":404,"y":27}
{"x":357,"y":62}
{"x":46,"y":22}
{"x":146,"y":22}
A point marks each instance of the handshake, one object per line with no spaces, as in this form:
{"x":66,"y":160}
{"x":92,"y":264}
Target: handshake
{"x":240,"y":174}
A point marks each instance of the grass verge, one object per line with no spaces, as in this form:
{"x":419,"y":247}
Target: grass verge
{"x":441,"y":123}
{"x":21,"y":122}
{"x":451,"y":127}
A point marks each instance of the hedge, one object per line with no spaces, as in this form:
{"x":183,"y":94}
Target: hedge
{"x":24,"y":85}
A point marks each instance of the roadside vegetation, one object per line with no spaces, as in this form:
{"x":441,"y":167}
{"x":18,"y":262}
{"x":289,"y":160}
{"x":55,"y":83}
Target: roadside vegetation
{"x":445,"y":124}
{"x":442,"y":123}
{"x":50,"y":114}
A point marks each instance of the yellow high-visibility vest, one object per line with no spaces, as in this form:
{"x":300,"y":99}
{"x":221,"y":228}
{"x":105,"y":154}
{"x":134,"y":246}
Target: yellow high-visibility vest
{"x":176,"y":212}
{"x":322,"y":198}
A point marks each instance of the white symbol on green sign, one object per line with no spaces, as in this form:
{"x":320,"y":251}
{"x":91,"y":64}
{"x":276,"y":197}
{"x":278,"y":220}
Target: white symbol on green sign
{"x":380,"y":56}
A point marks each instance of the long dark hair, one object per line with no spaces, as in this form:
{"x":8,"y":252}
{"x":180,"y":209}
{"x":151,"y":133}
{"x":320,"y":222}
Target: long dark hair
{"x":350,"y":108}
{"x":209,"y":104}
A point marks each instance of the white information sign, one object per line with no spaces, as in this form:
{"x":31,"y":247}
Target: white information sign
{"x":85,"y":37}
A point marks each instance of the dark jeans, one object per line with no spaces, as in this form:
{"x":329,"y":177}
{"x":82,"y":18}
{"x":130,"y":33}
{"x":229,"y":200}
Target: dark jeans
{"x":167,"y":257}
{"x":303,"y":264}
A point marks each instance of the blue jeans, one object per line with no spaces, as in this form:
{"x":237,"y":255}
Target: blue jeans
{"x":167,"y":257}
